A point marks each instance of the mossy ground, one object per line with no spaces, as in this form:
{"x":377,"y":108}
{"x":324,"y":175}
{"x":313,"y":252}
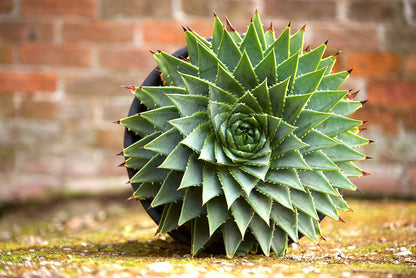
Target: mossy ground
{"x":113,"y":238}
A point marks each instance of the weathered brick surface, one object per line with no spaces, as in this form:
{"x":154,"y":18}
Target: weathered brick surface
{"x":136,"y":8}
{"x":6,"y":54}
{"x":58,"y":8}
{"x":373,"y":64}
{"x":390,"y":11}
{"x":7,"y":106}
{"x":98,"y":31}
{"x":6,"y":6}
{"x":32,"y":109}
{"x":233,"y":9}
{"x":162,"y":31}
{"x":27,"y":82}
{"x":55,"y":55}
{"x":301,"y":9}
{"x":126,"y":58}
{"x":400,"y":40}
{"x":410,"y":64}
{"x":399,"y":95}
{"x":31,"y":31}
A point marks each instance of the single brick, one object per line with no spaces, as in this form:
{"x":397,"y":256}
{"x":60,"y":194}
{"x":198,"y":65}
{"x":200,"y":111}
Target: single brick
{"x":27,"y":82}
{"x":166,"y":31}
{"x":32,"y":31}
{"x":33,"y":109}
{"x":387,"y":11}
{"x":396,"y":94}
{"x":378,"y":117}
{"x":98,"y":31}
{"x":126,"y":58}
{"x":373,"y":64}
{"x":55,"y":55}
{"x":6,"y":6}
{"x":343,"y":37}
{"x":301,"y":9}
{"x":135,"y":8}
{"x":411,"y":65}
{"x":400,"y":39}
{"x":109,"y":137}
{"x":57,"y":8}
{"x":6,"y":54}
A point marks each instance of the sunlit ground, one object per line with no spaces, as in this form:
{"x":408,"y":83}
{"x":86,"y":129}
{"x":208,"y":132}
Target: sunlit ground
{"x":112,"y":238}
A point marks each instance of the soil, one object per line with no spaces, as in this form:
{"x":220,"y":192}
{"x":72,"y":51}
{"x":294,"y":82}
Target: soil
{"x":110,"y":237}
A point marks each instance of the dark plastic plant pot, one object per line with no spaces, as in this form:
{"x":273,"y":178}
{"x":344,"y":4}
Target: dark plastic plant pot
{"x":183,"y":233}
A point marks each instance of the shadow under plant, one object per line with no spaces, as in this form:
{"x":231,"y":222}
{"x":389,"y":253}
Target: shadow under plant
{"x":101,"y":237}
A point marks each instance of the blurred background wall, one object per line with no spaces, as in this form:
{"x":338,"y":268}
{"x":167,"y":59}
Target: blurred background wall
{"x":62,"y":64}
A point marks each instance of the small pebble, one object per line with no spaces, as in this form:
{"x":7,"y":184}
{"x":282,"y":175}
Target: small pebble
{"x":160,"y":267}
{"x":403,"y":254}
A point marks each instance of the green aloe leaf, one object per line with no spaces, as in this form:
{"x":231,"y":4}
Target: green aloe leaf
{"x":303,"y":202}
{"x":200,"y":234}
{"x":177,"y":159}
{"x":160,"y":117}
{"x":286,"y":219}
{"x":169,"y":190}
{"x":244,"y":73}
{"x":261,"y":204}
{"x":193,"y":173}
{"x":147,"y":190}
{"x":251,"y":45}
{"x":263,"y":234}
{"x":288,"y":177}
{"x":242,"y":213}
{"x":165,"y":143}
{"x":187,"y":105}
{"x":279,"y":242}
{"x":169,"y":219}
{"x":232,"y":238}
{"x":310,"y":61}
{"x":192,"y":205}
{"x":139,"y":125}
{"x":211,"y":186}
{"x":217,"y":212}
{"x":230,"y":186}
{"x":276,"y":192}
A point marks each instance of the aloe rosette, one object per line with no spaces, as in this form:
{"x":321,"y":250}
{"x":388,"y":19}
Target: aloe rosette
{"x":247,"y":142}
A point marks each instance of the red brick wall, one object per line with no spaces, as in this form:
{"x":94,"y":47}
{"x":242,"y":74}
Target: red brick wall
{"x":62,"y":64}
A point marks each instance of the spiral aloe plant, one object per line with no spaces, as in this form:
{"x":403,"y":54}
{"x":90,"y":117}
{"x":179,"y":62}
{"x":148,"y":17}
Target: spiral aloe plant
{"x":248,"y":142}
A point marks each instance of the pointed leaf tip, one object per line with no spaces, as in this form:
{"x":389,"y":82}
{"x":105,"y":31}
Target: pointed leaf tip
{"x":349,"y":71}
{"x":229,"y":27}
{"x":304,"y":27}
{"x":214,"y":13}
{"x":271,"y":29}
{"x":184,"y":28}
{"x":350,"y":95}
{"x":117,"y":122}
{"x":364,"y":102}
{"x":365,"y":174}
{"x":368,"y":157}
{"x":338,"y":52}
{"x":120,"y":153}
{"x":326,"y":42}
{"x":290,"y":22}
{"x":341,"y":220}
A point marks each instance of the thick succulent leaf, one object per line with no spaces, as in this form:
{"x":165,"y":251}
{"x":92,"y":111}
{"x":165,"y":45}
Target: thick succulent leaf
{"x":208,"y":63}
{"x":326,"y":100}
{"x":139,"y":125}
{"x":352,"y":140}
{"x":244,"y":73}
{"x":208,"y":149}
{"x":317,"y":141}
{"x":232,"y":238}
{"x":303,"y":202}
{"x":136,"y":149}
{"x":169,"y":219}
{"x":220,"y":156}
{"x":346,"y":107}
{"x":251,"y":45}
{"x":269,"y":37}
{"x":307,"y":227}
{"x":217,"y":108}
{"x":336,"y":125}
{"x":281,"y":46}
{"x":308,"y":120}
{"x":187,"y":105}
{"x":288,"y":177}
{"x":217,"y":213}
{"x":350,"y":170}
{"x":195,"y":140}
{"x":318,"y":161}
{"x":165,"y":143}
{"x":193,"y":173}
{"x":324,"y":205}
{"x":158,"y":94}
{"x":242,"y":213}
{"x":316,"y":180}
{"x":195,"y":85}
{"x":192,"y":47}
{"x":294,"y":106}
{"x":327,"y":63}
{"x":338,"y":180}
{"x":200,"y":234}
{"x":217,"y":34}
{"x":135,"y":162}
{"x":227,"y":82}
{"x":219,"y":95}
{"x":308,"y":82}
{"x":172,"y":66}
{"x":257,"y":170}
{"x":343,"y":153}
{"x":144,"y":98}
{"x":258,"y":26}
{"x":332,"y":81}
{"x":211,"y":186}
{"x":277,"y":95}
{"x":266,"y":69}
{"x":150,"y":172}
{"x":286,"y":219}
{"x":277,"y":192}
{"x":296,"y":42}
{"x":288,"y":69}
{"x":228,"y":52}
{"x":263,"y":233}
{"x":186,"y":125}
{"x":246,"y":181}
{"x":177,"y":159}
{"x":230,"y":186}
{"x":261,"y":94}
{"x":159,"y":117}
{"x":290,"y":160}
{"x":310,"y":61}
{"x":279,"y":242}
{"x":339,"y":203}
{"x":192,"y":205}
{"x":169,"y":190}
{"x":261,"y":204}
{"x":147,"y":190}
{"x":291,"y":143}
{"x":283,"y":131}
